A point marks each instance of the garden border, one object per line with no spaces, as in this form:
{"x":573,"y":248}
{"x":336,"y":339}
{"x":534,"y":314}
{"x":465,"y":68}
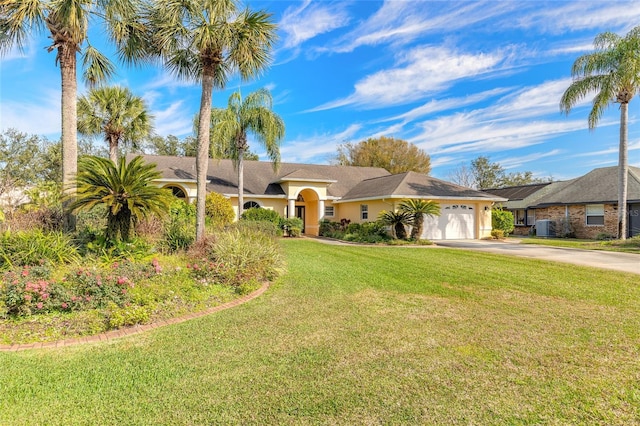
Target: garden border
{"x":136,"y":329}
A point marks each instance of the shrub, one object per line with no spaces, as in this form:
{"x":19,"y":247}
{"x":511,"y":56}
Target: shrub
{"x":218,"y":209}
{"x":497,"y":234}
{"x":128,"y":315}
{"x":265,"y":227}
{"x":502,"y":220}
{"x":27,"y":291}
{"x":237,"y":256}
{"x":262,"y":215}
{"x":35,"y":247}
{"x":293,"y":226}
{"x":179,"y":232}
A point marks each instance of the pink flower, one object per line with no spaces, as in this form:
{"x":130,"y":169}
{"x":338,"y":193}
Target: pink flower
{"x":39,"y":305}
{"x":25,"y":272}
{"x":44,"y":296}
{"x":27,"y":297}
{"x":64,"y":305}
{"x":124,"y":291}
{"x":121,"y":280}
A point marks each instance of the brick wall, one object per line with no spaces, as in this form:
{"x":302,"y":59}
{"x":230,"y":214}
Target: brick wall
{"x":578,"y":220}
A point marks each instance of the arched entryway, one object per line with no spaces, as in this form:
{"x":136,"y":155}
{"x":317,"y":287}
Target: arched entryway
{"x":306,"y":206}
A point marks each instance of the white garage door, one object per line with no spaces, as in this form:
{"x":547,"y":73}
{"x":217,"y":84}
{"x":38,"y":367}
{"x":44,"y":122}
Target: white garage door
{"x":456,"y":222}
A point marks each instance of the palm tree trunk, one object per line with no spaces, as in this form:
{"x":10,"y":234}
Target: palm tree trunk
{"x":202,"y":158}
{"x":240,"y":181}
{"x":623,"y":172}
{"x":69,"y":135}
{"x":113,"y":148}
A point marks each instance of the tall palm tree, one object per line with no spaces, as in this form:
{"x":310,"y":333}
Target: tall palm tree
{"x":231,"y":125}
{"x":206,"y":41}
{"x":612,"y":71}
{"x":417,"y":209}
{"x":68,"y":22}
{"x":116,"y":113}
{"x":125,"y":189}
{"x":397,"y":220}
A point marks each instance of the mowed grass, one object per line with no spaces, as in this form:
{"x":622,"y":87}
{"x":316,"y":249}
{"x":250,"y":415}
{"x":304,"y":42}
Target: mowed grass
{"x":364,"y":335}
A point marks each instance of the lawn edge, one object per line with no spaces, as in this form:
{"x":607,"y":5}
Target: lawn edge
{"x":136,"y":329}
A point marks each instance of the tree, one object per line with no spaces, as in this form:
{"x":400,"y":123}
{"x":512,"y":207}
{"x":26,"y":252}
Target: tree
{"x":397,"y":221}
{"x":231,"y":125}
{"x":487,"y":174}
{"x":115,"y":113}
{"x":394,"y":155}
{"x":68,"y":23}
{"x":205,"y":41}
{"x":612,"y":71}
{"x":125,"y":189}
{"x":483,"y":174}
{"x":417,"y":209}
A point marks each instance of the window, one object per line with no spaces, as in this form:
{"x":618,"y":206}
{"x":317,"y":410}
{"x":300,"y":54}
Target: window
{"x":595,"y":214}
{"x":519,"y":217}
{"x":177,"y":191}
{"x":531,"y":217}
{"x":364,"y":211}
{"x":329,"y":211}
{"x":250,"y":205}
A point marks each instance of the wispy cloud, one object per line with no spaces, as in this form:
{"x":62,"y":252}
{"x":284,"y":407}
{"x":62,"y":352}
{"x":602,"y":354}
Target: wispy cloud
{"x":400,"y":22}
{"x":418,"y":72}
{"x":318,"y":147}
{"x":39,"y":115}
{"x":173,"y":120}
{"x":310,"y":19}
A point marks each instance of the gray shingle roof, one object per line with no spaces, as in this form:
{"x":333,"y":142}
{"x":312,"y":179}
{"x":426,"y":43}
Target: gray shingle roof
{"x":260,"y":178}
{"x":519,"y":192}
{"x":597,"y":186}
{"x":413,"y":185}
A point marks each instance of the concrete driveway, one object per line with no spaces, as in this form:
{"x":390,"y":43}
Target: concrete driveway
{"x":625,"y":262}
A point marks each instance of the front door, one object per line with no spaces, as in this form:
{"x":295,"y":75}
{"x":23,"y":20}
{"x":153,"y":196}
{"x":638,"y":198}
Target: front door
{"x":300,"y":214}
{"x":634,"y":219}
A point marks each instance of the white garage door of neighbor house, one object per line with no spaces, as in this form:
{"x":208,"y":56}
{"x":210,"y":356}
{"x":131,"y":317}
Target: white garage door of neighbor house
{"x":456,"y":222}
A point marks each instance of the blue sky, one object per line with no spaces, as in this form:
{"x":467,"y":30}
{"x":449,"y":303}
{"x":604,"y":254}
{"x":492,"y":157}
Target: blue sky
{"x":458,"y":79}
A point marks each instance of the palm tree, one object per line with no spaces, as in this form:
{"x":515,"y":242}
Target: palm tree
{"x":612,"y":71}
{"x":231,"y":125}
{"x":125,"y":189}
{"x":68,"y":23}
{"x":206,"y":41}
{"x":397,"y":220}
{"x":417,"y":209}
{"x":116,"y":113}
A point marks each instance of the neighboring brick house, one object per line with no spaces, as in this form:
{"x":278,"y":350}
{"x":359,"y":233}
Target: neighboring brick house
{"x":585,"y":207}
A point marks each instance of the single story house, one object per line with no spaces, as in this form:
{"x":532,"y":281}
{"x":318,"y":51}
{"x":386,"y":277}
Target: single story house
{"x":314,"y":192}
{"x":585,"y":207}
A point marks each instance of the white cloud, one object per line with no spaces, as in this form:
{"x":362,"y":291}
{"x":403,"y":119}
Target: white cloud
{"x":317,"y":148}
{"x":309,"y":20}
{"x":40,"y":115}
{"x":173,"y":120}
{"x":419,"y":72}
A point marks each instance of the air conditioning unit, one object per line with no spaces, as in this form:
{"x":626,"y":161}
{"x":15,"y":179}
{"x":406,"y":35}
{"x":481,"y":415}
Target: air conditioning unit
{"x":545,"y":228}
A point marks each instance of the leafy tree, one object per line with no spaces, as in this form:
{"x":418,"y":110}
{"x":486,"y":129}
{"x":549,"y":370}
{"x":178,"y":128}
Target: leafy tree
{"x":125,"y":189}
{"x":397,"y":220}
{"x":17,"y":154}
{"x":205,"y":41}
{"x":484,"y":174}
{"x":68,"y":23}
{"x":612,"y":72}
{"x":218,"y":209}
{"x":115,"y":113}
{"x":231,"y":125}
{"x":171,"y":145}
{"x":394,"y":155}
{"x":502,"y":220}
{"x":417,"y":209}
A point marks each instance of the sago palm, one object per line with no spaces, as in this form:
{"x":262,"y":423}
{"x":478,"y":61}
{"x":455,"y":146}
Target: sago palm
{"x":612,"y":72}
{"x":231,"y":125}
{"x":207,"y":41}
{"x":67,"y":21}
{"x":417,"y":209}
{"x":397,"y":220}
{"x":125,"y":189}
{"x":117,"y":114}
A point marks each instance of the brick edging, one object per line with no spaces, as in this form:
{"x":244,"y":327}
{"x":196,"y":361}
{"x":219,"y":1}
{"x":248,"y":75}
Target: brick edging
{"x":136,"y":329}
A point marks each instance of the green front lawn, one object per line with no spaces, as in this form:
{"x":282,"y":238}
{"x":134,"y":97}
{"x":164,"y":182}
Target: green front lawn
{"x":631,"y":245}
{"x":364,"y":335}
